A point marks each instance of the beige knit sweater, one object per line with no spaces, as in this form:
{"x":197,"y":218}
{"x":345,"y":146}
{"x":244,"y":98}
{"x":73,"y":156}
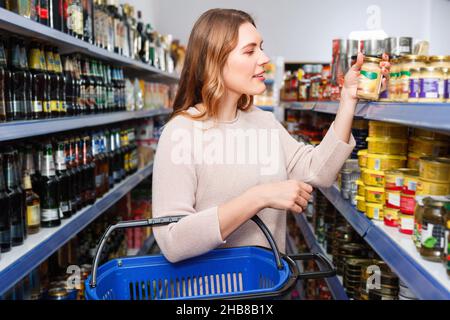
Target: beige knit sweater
{"x":197,"y":168}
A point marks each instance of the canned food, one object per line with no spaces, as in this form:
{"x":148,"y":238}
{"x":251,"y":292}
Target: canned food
{"x":435,"y":169}
{"x":361,"y":203}
{"x":387,"y":145}
{"x":374,"y":211}
{"x":407,"y":203}
{"x":360,"y":188}
{"x":350,"y":164}
{"x":432,"y":188}
{"x":385,"y":161}
{"x":413,"y":160}
{"x":373,"y":178}
{"x":430,"y":134}
{"x":429,"y":146}
{"x":375,"y":195}
{"x":391,"y":217}
{"x":394,"y":179}
{"x":362,"y":158}
{"x":393,"y":198}
{"x":406,"y":225}
{"x":385,"y":129}
{"x":410,"y":180}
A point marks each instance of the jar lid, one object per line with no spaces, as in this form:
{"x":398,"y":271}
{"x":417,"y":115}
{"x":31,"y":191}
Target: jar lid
{"x":360,"y":198}
{"x":372,"y":59}
{"x":359,"y":182}
{"x":429,"y":140}
{"x":431,"y":69}
{"x":414,"y":57}
{"x":384,"y":124}
{"x":439,"y":58}
{"x":385,"y":156}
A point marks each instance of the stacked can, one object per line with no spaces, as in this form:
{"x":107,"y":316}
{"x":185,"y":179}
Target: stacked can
{"x":424,"y":143}
{"x":348,"y":177}
{"x":387,"y":147}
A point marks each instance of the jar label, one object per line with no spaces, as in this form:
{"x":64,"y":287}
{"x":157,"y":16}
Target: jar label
{"x":369,"y":74}
{"x":49,"y":215}
{"x":414,"y":88}
{"x":33,"y":215}
{"x":412,"y":185}
{"x":394,"y":199}
{"x":432,"y":236}
{"x":377,"y":164}
{"x":447,"y":89}
{"x":407,"y":204}
{"x":431,"y":88}
{"x":407,"y":223}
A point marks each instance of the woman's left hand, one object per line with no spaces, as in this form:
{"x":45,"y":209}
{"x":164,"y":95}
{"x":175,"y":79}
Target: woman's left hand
{"x":351,"y":78}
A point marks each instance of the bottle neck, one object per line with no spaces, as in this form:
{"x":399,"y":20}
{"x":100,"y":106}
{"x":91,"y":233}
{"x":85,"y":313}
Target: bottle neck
{"x":61,"y":159}
{"x":29,"y":163}
{"x":10,"y":175}
{"x":48,"y":164}
{"x":27,"y":185}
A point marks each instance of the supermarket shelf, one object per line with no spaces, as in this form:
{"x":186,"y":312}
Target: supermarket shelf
{"x":334,"y":284}
{"x":22,"y":129}
{"x":427,"y":280}
{"x":23,"y":259}
{"x":12,"y":22}
{"x":432,"y":116}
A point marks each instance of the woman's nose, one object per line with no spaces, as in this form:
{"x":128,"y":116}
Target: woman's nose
{"x":264,"y":59}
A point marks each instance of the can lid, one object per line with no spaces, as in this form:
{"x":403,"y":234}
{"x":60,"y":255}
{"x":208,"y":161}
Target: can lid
{"x":386,"y":139}
{"x":430,"y":69}
{"x":375,"y":189}
{"x":385,"y":156}
{"x":440,"y":161}
{"x":374,"y":205}
{"x":376,"y":172}
{"x":362,"y":152}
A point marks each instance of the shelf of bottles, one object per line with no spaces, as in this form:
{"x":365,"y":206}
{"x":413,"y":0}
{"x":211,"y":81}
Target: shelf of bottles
{"x":51,"y":188}
{"x":97,"y":28}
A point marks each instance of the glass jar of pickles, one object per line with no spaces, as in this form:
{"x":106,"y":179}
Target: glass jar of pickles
{"x":369,"y":81}
{"x":433,"y":229}
{"x":394,"y":77}
{"x":443,"y":62}
{"x":431,"y":84}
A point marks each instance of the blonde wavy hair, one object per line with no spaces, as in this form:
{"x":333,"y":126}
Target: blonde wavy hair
{"x":213,"y":37}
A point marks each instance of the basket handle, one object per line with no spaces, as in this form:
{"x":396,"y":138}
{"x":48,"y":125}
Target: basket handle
{"x":326,"y":267}
{"x":164,"y":221}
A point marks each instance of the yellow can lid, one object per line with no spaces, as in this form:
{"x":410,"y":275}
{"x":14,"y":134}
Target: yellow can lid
{"x":386,"y":139}
{"x":384,"y":124}
{"x":429,"y":140}
{"x":359,"y":182}
{"x":370,"y":171}
{"x":439,"y":161}
{"x":392,"y":210}
{"x":374,"y":205}
{"x":375,"y":189}
{"x":360,"y":198}
{"x":385,"y":156}
{"x":362,"y":152}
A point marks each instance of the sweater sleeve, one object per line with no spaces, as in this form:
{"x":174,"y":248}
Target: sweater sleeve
{"x":318,"y":165}
{"x":174,"y":188}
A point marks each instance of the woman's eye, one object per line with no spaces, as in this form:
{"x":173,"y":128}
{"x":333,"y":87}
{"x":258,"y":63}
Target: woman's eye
{"x":250,"y":52}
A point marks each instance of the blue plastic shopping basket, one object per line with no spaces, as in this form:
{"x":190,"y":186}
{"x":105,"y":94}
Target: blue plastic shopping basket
{"x":230,"y":273}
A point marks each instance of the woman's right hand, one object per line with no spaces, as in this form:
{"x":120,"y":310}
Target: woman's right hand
{"x":290,"y":195}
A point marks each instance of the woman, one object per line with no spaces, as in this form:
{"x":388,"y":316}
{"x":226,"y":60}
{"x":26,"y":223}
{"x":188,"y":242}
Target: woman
{"x":213,"y":161}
